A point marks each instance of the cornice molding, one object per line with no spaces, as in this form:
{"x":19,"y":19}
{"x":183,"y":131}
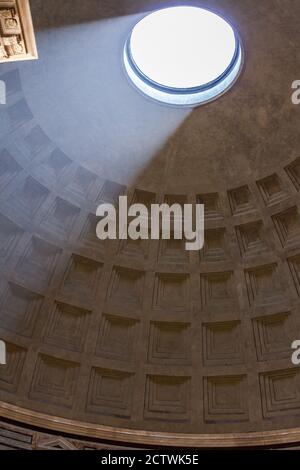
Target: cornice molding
{"x":91,"y":430}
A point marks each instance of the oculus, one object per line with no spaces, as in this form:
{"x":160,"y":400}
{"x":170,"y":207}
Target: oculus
{"x":183,"y":56}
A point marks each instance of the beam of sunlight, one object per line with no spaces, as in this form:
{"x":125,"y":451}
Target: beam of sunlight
{"x":80,"y":95}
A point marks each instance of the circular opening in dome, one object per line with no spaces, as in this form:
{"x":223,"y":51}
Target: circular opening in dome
{"x":183,"y":55}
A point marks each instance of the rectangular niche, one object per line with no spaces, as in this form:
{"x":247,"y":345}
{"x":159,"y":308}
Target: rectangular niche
{"x":17,"y":39}
{"x":82,"y":279}
{"x":273,"y":336}
{"x":38,"y":263}
{"x":263,"y":286}
{"x":54,"y":381}
{"x":110,"y":393}
{"x":143,"y":197}
{"x":126,"y":288}
{"x":172,"y":292}
{"x":293,"y":171}
{"x":167,"y":398}
{"x":222,"y":343}
{"x":214,"y":246}
{"x":171,"y":199}
{"x":27,"y":198}
{"x":172,"y":250}
{"x":117,"y":338}
{"x":35,"y":142}
{"x":241,"y":201}
{"x":19,"y":310}
{"x":271,"y":190}
{"x":170,"y":343}
{"x":212,"y":206}
{"x":88,"y":236}
{"x":294,"y":265}
{"x":10,"y":374}
{"x":251,"y":239}
{"x":61,"y":218}
{"x":287,"y":225}
{"x":110,"y":193}
{"x":19,"y":114}
{"x":10,"y":234}
{"x":9,"y":168}
{"x":53,"y":168}
{"x":280,"y":393}
{"x":225,"y":399}
{"x":82,"y":184}
{"x":67,"y":327}
{"x":217,"y":290}
{"x":138,"y":249}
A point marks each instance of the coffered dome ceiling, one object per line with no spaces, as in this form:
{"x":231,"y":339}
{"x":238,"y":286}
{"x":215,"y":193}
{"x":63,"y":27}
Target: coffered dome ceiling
{"x":115,"y":339}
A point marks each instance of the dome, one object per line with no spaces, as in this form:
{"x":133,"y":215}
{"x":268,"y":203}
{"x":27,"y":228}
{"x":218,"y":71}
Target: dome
{"x":143,"y":343}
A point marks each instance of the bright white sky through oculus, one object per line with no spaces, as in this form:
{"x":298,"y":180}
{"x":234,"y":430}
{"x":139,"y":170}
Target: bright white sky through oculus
{"x":183,"y":47}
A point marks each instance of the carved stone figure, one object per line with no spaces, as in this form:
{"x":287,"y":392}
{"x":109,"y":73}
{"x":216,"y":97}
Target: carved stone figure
{"x":7,"y":13}
{"x":3,"y":53}
{"x":16,"y":31}
{"x":9,"y":22}
{"x":13,"y":45}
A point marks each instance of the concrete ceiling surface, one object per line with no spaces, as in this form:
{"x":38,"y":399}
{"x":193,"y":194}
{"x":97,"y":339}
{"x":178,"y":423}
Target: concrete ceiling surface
{"x":145,"y":335}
